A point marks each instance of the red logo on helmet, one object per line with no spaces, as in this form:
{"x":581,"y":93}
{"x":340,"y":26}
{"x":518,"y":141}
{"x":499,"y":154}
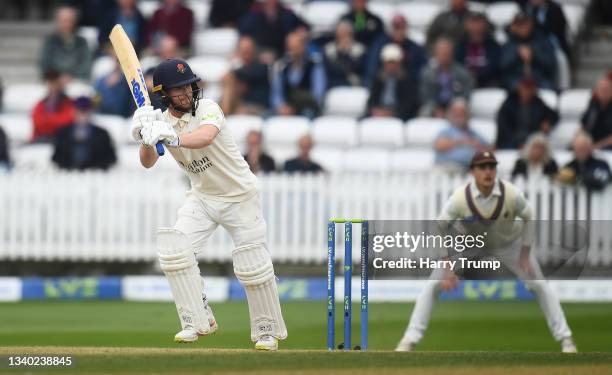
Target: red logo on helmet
{"x":180,"y":68}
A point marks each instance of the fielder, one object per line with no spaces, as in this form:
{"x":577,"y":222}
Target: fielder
{"x":487,"y":199}
{"x":223,"y":192}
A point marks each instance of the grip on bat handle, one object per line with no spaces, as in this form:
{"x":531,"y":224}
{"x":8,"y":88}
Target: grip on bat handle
{"x":160,"y":148}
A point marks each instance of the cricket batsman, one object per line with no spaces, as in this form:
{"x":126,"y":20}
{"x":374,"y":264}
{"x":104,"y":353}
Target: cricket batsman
{"x":223,"y":192}
{"x":487,"y":199}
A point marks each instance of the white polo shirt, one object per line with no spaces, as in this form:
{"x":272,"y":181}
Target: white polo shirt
{"x":218,"y":171}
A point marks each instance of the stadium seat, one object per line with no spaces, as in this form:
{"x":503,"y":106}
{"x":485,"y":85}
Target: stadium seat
{"x":412,"y":160}
{"x":148,"y":62}
{"x":209,"y":68}
{"x":573,"y":103}
{"x":334,"y":131}
{"x":485,"y":103}
{"x":284,"y":131}
{"x":418,"y":36}
{"x":419,"y":14}
{"x":212,"y":91}
{"x":147,"y":8}
{"x":421,"y":132}
{"x":487,"y":129}
{"x":78,"y":88}
{"x":562,"y":134}
{"x":575,"y":18}
{"x":331,"y":159}
{"x":383,"y":10}
{"x":323,"y":16}
{"x":23,"y":97}
{"x":562,"y":157}
{"x":33,"y":157}
{"x":550,"y":98}
{"x":381,"y":132}
{"x":281,"y":154}
{"x":90,"y":33}
{"x":17,"y":126}
{"x":102,"y":66}
{"x":241,"y":125}
{"x":217,"y":42}
{"x":367,"y":160}
{"x":501,"y":14}
{"x":117,"y":126}
{"x":201,"y":10}
{"x":346,"y":101}
{"x":506,"y":160}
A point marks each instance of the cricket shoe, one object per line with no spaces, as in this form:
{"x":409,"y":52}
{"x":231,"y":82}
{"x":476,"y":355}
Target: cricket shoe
{"x":189,"y":334}
{"x":267,"y":342}
{"x":405,"y":346}
{"x":568,"y":345}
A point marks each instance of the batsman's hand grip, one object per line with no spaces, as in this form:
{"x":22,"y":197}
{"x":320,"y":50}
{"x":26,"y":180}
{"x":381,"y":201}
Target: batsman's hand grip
{"x":160,"y":148}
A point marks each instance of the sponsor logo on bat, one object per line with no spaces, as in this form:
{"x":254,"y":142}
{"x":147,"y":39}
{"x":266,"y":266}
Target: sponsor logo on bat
{"x":138,"y":94}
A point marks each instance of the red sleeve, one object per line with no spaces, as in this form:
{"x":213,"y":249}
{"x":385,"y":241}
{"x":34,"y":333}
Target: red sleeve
{"x":47,"y":123}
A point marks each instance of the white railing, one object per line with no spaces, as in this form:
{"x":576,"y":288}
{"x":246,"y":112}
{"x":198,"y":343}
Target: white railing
{"x":113,"y":216}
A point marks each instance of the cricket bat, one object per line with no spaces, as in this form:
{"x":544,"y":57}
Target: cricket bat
{"x":131,"y":70}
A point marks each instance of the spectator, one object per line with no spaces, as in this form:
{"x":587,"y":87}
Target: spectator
{"x":527,"y":53}
{"x":443,"y":80}
{"x":536,"y":159}
{"x":298,"y":80}
{"x":1,"y":95}
{"x":597,"y":119}
{"x":449,"y":24}
{"x":126,"y":14}
{"x":394,"y":93}
{"x":246,"y":89}
{"x":83,"y":145}
{"x":113,"y":95}
{"x":479,"y":52}
{"x":269,"y":23}
{"x":53,"y":112}
{"x":174,"y":19}
{"x":523,"y":113}
{"x":166,"y":48}
{"x":585,"y":169}
{"x":64,"y":51}
{"x":255,"y":157}
{"x":414,"y":55}
{"x":227,"y":13}
{"x":456,"y":145}
{"x":366,"y":25}
{"x":549,"y":18}
{"x":5,"y":160}
{"x":303,"y":163}
{"x":344,"y":58}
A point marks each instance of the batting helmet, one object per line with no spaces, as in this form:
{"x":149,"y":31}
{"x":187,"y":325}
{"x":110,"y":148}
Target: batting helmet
{"x":175,"y":73}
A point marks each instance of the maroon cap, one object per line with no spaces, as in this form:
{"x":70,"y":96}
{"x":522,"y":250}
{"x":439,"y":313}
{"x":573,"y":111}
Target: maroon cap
{"x":398,"y":21}
{"x":483,"y":157}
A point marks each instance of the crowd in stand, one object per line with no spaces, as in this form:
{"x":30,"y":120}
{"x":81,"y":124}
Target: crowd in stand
{"x":280,"y":68}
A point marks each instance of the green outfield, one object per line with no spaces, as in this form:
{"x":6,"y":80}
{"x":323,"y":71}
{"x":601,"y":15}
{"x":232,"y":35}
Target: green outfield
{"x":469,"y":337}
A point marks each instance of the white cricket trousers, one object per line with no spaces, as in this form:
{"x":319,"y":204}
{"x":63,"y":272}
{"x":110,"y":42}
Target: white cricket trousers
{"x":549,"y":303}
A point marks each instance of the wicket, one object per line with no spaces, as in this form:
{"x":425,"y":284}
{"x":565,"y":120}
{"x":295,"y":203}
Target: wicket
{"x":348,"y":273}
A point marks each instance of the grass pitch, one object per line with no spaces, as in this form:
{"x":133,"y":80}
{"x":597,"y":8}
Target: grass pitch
{"x":464,"y":337}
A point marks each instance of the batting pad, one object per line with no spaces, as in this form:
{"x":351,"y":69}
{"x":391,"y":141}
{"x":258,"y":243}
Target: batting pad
{"x":253,"y":268}
{"x":177,"y":261}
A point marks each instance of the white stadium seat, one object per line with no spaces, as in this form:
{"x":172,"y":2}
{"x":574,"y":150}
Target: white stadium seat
{"x":334,"y":131}
{"x":487,"y":129}
{"x":217,"y":42}
{"x":23,"y":97}
{"x":418,"y":36}
{"x":90,"y":33}
{"x":212,"y":91}
{"x":573,"y":103}
{"x":412,"y":160}
{"x":367,"y":160}
{"x":209,"y":68}
{"x":419,"y":14}
{"x":550,"y":98}
{"x":562,"y":134}
{"x":35,"y":156}
{"x":383,"y":10}
{"x":148,"y":62}
{"x":506,"y":160}
{"x":284,"y":131}
{"x":422,"y":131}
{"x":485,"y":103}
{"x":147,"y":7}
{"x":331,"y":159}
{"x":117,"y":126}
{"x":102,"y":66}
{"x":241,"y":125}
{"x":501,"y":14}
{"x":78,"y":88}
{"x":346,"y":101}
{"x":575,"y":17}
{"x":201,"y":10}
{"x":323,"y":16}
{"x":381,"y":132}
{"x":17,"y":126}
{"x":563,"y":157}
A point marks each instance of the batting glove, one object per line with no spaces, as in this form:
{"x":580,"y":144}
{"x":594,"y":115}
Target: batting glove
{"x":143,"y":115}
{"x":160,"y":131}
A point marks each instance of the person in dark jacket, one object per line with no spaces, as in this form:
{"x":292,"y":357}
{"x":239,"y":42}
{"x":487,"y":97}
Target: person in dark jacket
{"x":479,"y":52}
{"x":255,"y":156}
{"x":83,"y":145}
{"x":597,"y":119}
{"x":5,"y":160}
{"x":549,"y":18}
{"x":172,"y":18}
{"x":227,"y":13}
{"x":585,"y":169}
{"x":344,"y":58}
{"x":302,"y":163}
{"x":449,"y":24}
{"x":523,"y":113}
{"x":127,"y":15}
{"x":366,"y":24}
{"x":527,"y":52}
{"x":394,"y":93}
{"x":536,"y":159}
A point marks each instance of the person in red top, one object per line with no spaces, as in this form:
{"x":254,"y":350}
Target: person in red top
{"x":54,"y":112}
{"x":174,"y":19}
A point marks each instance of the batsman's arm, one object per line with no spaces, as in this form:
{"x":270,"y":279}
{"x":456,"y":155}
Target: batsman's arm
{"x":202,"y":137}
{"x":148,"y":156}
